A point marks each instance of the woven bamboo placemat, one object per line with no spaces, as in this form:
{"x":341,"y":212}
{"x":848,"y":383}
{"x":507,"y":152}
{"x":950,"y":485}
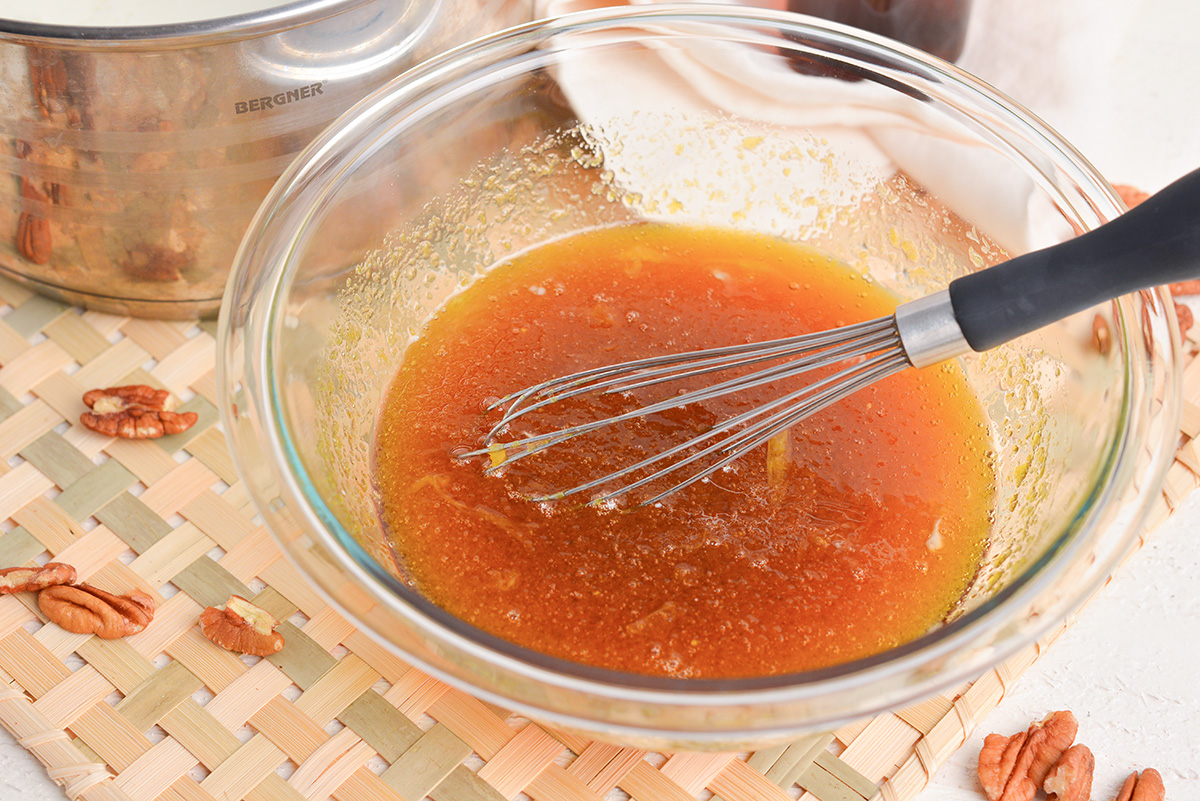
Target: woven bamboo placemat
{"x":168,"y":715}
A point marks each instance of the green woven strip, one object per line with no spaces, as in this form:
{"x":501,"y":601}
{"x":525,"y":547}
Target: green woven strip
{"x":207,"y":416}
{"x":274,"y":602}
{"x":381,"y":725}
{"x":8,"y":404}
{"x":302,"y":659}
{"x":34,"y":314}
{"x":133,"y":522}
{"x":18,"y":547}
{"x":463,"y":785}
{"x":847,"y":775}
{"x":208,"y":583}
{"x":200,"y":733}
{"x":825,"y":786}
{"x":57,"y":459}
{"x":799,"y":756}
{"x":116,"y":660}
{"x":148,"y":703}
{"x":424,"y":766}
{"x":95,"y":490}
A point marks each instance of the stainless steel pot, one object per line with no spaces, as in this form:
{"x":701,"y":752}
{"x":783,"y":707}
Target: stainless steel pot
{"x":138,"y":155}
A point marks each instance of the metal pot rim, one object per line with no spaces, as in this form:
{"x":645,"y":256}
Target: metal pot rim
{"x":289,"y":14}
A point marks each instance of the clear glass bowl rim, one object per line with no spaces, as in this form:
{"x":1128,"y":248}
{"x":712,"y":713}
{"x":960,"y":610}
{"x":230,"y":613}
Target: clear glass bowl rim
{"x":343,"y":144}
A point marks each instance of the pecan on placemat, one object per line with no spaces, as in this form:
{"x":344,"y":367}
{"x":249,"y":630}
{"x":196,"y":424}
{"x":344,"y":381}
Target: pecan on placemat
{"x":85,"y":609}
{"x":243,"y":627}
{"x":33,"y":579}
{"x":134,"y":412}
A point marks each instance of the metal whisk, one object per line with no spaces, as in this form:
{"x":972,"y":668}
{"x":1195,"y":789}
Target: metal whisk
{"x":1158,"y":242}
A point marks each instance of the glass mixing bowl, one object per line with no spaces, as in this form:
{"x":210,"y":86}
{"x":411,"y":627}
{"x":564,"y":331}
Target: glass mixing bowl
{"x":898,"y":164}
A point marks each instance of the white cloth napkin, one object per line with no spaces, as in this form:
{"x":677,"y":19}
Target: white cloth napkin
{"x":881,"y":127}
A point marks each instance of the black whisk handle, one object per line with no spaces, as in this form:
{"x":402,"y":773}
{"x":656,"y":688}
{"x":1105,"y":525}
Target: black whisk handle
{"x":1156,"y":242}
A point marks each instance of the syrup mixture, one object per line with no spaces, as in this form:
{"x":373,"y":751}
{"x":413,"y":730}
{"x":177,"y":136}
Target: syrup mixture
{"x":854,"y":532}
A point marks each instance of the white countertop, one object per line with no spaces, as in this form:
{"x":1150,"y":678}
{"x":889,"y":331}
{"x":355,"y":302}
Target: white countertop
{"x":1121,"y":80}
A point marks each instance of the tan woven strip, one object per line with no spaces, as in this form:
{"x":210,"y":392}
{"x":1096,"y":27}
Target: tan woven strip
{"x":328,"y":628}
{"x":12,"y":343}
{"x":21,"y":374}
{"x":520,"y":760}
{"x":210,"y":449}
{"x":471,"y":720}
{"x":196,"y":730}
{"x":242,"y":772}
{"x":185,"y":364}
{"x":18,"y":485}
{"x":881,"y":746}
{"x":156,"y":770}
{"x":363,"y":785}
{"x":64,"y":763}
{"x":273,"y":788}
{"x":602,"y":766}
{"x":110,"y":736}
{"x":73,"y":696}
{"x":430,"y":760}
{"x":209,"y":512}
{"x":76,"y":337}
{"x":176,"y":489}
{"x":302,"y":659}
{"x":694,"y":770}
{"x":150,"y":465}
{"x":23,"y":428}
{"x":170,"y":555}
{"x":14,"y":614}
{"x":415,"y":692}
{"x":158,"y":337}
{"x":118,"y":366}
{"x":553,"y":783}
{"x":337,"y":689}
{"x":331,"y":765}
{"x":294,"y":732}
{"x":242,"y":698}
{"x":381,"y":660}
{"x":35,"y":313}
{"x":644,"y":783}
{"x":30,"y":663}
{"x":739,"y":782}
{"x":185,"y":788}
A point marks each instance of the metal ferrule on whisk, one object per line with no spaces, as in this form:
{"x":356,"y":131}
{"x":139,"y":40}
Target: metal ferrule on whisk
{"x":929,"y":331}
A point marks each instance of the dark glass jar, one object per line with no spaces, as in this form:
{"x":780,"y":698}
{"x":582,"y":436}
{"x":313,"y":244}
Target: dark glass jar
{"x":935,"y":26}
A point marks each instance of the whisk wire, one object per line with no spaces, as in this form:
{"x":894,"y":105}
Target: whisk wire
{"x":798,"y":405}
{"x":852,"y":340}
{"x":877,"y":334}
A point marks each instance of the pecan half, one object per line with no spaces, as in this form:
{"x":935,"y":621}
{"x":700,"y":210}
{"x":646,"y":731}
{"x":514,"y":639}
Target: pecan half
{"x":85,"y":609}
{"x":243,"y":627}
{"x":33,"y":579}
{"x":1147,"y":787}
{"x":1014,"y":768}
{"x":1183,"y":314}
{"x":134,"y":412}
{"x":35,"y":241}
{"x":1101,"y":337}
{"x":1071,"y":777}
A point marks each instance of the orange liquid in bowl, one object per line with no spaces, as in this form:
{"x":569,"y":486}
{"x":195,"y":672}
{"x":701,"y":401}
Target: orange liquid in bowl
{"x":856,"y":531}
